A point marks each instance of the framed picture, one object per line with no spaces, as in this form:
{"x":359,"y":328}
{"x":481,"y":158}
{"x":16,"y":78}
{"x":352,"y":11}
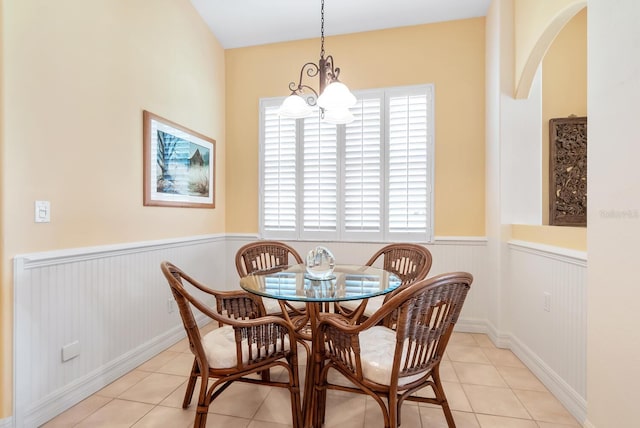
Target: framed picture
{"x":179,"y":165}
{"x":568,"y":171}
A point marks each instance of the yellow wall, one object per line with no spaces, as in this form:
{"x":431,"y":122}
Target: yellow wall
{"x":564,"y":87}
{"x":574,"y":238}
{"x":77,"y":75}
{"x":564,"y":92}
{"x":450,"y":55}
{"x":5,"y":296}
{"x":536,"y":25}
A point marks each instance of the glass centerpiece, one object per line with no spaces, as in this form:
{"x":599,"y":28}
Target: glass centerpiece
{"x":320,"y":264}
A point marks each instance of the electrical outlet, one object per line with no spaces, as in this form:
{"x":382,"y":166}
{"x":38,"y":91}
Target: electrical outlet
{"x":547,"y":301}
{"x":171,"y":305}
{"x":70,"y":351}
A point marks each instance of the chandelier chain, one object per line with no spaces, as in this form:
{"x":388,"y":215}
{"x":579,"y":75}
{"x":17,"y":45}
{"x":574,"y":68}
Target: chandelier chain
{"x":322,"y":29}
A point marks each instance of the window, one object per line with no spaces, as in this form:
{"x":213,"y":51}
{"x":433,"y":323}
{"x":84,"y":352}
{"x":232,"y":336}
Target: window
{"x":370,"y":180}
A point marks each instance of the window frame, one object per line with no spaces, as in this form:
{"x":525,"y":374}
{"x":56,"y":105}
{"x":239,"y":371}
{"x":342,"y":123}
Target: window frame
{"x":340,"y":234}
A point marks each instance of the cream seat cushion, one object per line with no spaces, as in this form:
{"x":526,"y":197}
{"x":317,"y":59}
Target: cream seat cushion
{"x":373,"y":305}
{"x":273,"y":307}
{"x":220,"y":348}
{"x":377,"y":348}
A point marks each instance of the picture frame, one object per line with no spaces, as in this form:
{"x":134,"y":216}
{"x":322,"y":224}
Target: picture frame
{"x":568,"y":171}
{"x":179,"y":165}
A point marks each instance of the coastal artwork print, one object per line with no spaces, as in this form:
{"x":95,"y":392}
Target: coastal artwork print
{"x":179,"y":165}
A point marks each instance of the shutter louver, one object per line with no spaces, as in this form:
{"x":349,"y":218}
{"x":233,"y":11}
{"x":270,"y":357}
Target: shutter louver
{"x":362,"y":168}
{"x":319,"y":176}
{"x":279,"y":172}
{"x":409,"y":174}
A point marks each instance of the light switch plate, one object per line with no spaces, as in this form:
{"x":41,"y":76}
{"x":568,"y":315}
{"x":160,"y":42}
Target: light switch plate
{"x":42,"y":212}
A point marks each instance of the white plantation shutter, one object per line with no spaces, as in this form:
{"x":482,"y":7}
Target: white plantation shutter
{"x":409,"y":170}
{"x":278,"y":172}
{"x":363,"y":169}
{"x":320,"y":187}
{"x":370,"y":180}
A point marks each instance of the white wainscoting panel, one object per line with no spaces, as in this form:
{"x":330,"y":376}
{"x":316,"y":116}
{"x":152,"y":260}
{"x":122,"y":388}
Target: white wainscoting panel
{"x":468,"y":254}
{"x":114,"y":301}
{"x":552,"y":340}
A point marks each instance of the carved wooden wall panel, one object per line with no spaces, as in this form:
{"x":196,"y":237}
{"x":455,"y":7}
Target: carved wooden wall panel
{"x":568,"y":171}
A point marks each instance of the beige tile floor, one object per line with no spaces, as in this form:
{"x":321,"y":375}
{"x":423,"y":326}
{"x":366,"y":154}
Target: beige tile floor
{"x":487,"y":387}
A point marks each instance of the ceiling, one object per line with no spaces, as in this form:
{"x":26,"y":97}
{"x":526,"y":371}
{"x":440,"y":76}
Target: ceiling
{"x":240,"y":23}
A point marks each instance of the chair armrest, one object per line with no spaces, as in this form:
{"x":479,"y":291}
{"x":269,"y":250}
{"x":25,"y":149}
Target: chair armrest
{"x":233,"y":303}
{"x":337,"y":338}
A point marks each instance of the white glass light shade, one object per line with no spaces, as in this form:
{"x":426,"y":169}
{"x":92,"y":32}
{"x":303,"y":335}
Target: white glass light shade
{"x":294,"y":107}
{"x":338,"y":116}
{"x":336,"y":95}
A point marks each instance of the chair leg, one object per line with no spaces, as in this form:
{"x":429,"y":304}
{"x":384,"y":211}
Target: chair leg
{"x":294,"y":391}
{"x":265,"y":375}
{"x":442,"y":398}
{"x":203,"y":404}
{"x":394,"y":410}
{"x":201,"y":418}
{"x":296,"y":407}
{"x":191,"y":384}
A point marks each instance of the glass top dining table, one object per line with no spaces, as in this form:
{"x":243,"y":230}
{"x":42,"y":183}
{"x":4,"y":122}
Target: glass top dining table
{"x":292,"y":283}
{"x":347,"y":282}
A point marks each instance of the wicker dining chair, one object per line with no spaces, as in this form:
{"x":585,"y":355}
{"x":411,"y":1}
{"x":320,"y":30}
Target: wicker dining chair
{"x":265,"y":256}
{"x":244,"y":343}
{"x":410,"y":262}
{"x":393,"y":364}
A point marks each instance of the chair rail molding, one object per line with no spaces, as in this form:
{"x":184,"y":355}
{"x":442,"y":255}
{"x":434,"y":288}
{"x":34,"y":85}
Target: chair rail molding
{"x":567,"y":255}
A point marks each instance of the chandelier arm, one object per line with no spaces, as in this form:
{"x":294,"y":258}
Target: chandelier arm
{"x":310,"y":98}
{"x":311,"y":70}
{"x":331,"y":73}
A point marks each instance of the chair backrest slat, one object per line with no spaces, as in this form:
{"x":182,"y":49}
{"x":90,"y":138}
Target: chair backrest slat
{"x":264,"y":255}
{"x":410,"y":262}
{"x":425,"y":321}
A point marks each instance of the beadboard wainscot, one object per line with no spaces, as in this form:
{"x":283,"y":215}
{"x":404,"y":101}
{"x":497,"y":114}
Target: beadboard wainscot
{"x":450,"y":254}
{"x":112,"y":300}
{"x":546,"y":318}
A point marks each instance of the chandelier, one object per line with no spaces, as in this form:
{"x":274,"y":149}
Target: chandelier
{"x":333,"y":97}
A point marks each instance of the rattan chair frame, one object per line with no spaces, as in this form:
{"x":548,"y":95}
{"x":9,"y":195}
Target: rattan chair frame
{"x":426,"y":315}
{"x":265,"y":257}
{"x":245,"y":313}
{"x":410,"y":262}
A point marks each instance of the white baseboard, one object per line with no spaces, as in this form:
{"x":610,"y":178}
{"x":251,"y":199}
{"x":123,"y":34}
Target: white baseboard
{"x":484,"y":327}
{"x":572,"y":400}
{"x":6,"y":423}
{"x":77,"y":391}
{"x":471,"y":326}
{"x":588,"y":424}
{"x":575,"y":404}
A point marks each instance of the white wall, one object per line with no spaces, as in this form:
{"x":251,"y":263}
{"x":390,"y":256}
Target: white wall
{"x":614,"y":213}
{"x":521,"y":135}
{"x":517,"y":279}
